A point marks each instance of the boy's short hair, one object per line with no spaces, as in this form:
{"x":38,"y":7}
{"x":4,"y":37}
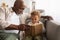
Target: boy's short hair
{"x":33,"y":13}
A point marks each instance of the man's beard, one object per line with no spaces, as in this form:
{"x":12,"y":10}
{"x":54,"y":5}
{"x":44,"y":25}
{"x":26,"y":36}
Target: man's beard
{"x":19,"y":13}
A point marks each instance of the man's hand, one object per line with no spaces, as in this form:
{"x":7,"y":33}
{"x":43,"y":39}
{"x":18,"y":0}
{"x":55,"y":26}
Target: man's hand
{"x":12,"y":27}
{"x":24,"y":27}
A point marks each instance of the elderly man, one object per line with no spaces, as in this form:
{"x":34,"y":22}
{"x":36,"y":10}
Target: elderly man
{"x":13,"y":18}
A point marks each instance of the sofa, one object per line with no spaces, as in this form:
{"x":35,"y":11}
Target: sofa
{"x":52,"y":28}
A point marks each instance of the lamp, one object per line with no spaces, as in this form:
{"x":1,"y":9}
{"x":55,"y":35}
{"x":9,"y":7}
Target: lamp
{"x":33,"y":4}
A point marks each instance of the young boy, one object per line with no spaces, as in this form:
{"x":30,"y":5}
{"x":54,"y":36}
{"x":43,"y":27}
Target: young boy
{"x":37,"y":27}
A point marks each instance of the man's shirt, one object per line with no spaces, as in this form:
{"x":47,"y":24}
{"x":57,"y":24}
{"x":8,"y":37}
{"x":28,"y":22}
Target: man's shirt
{"x":11,"y":18}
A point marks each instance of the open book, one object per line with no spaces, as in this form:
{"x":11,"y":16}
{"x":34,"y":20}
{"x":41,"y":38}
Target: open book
{"x":34,"y":30}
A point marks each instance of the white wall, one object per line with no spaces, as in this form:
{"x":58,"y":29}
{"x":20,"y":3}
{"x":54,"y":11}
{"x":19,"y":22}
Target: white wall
{"x":51,"y":7}
{"x":8,"y":2}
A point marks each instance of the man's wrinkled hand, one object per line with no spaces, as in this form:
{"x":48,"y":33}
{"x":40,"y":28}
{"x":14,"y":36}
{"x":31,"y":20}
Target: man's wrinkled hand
{"x":24,"y":27}
{"x":12,"y":27}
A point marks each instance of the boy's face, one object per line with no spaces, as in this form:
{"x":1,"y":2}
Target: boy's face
{"x":35,"y":18}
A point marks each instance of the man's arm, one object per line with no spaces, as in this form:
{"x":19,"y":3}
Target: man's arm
{"x":3,"y":23}
{"x":12,"y":27}
{"x":21,"y":27}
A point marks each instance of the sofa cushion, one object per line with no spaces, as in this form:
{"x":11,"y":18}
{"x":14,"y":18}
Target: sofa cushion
{"x":53,"y":30}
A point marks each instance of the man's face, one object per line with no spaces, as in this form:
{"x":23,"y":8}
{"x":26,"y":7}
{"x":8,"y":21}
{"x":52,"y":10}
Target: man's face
{"x":19,"y":6}
{"x":20,"y":10}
